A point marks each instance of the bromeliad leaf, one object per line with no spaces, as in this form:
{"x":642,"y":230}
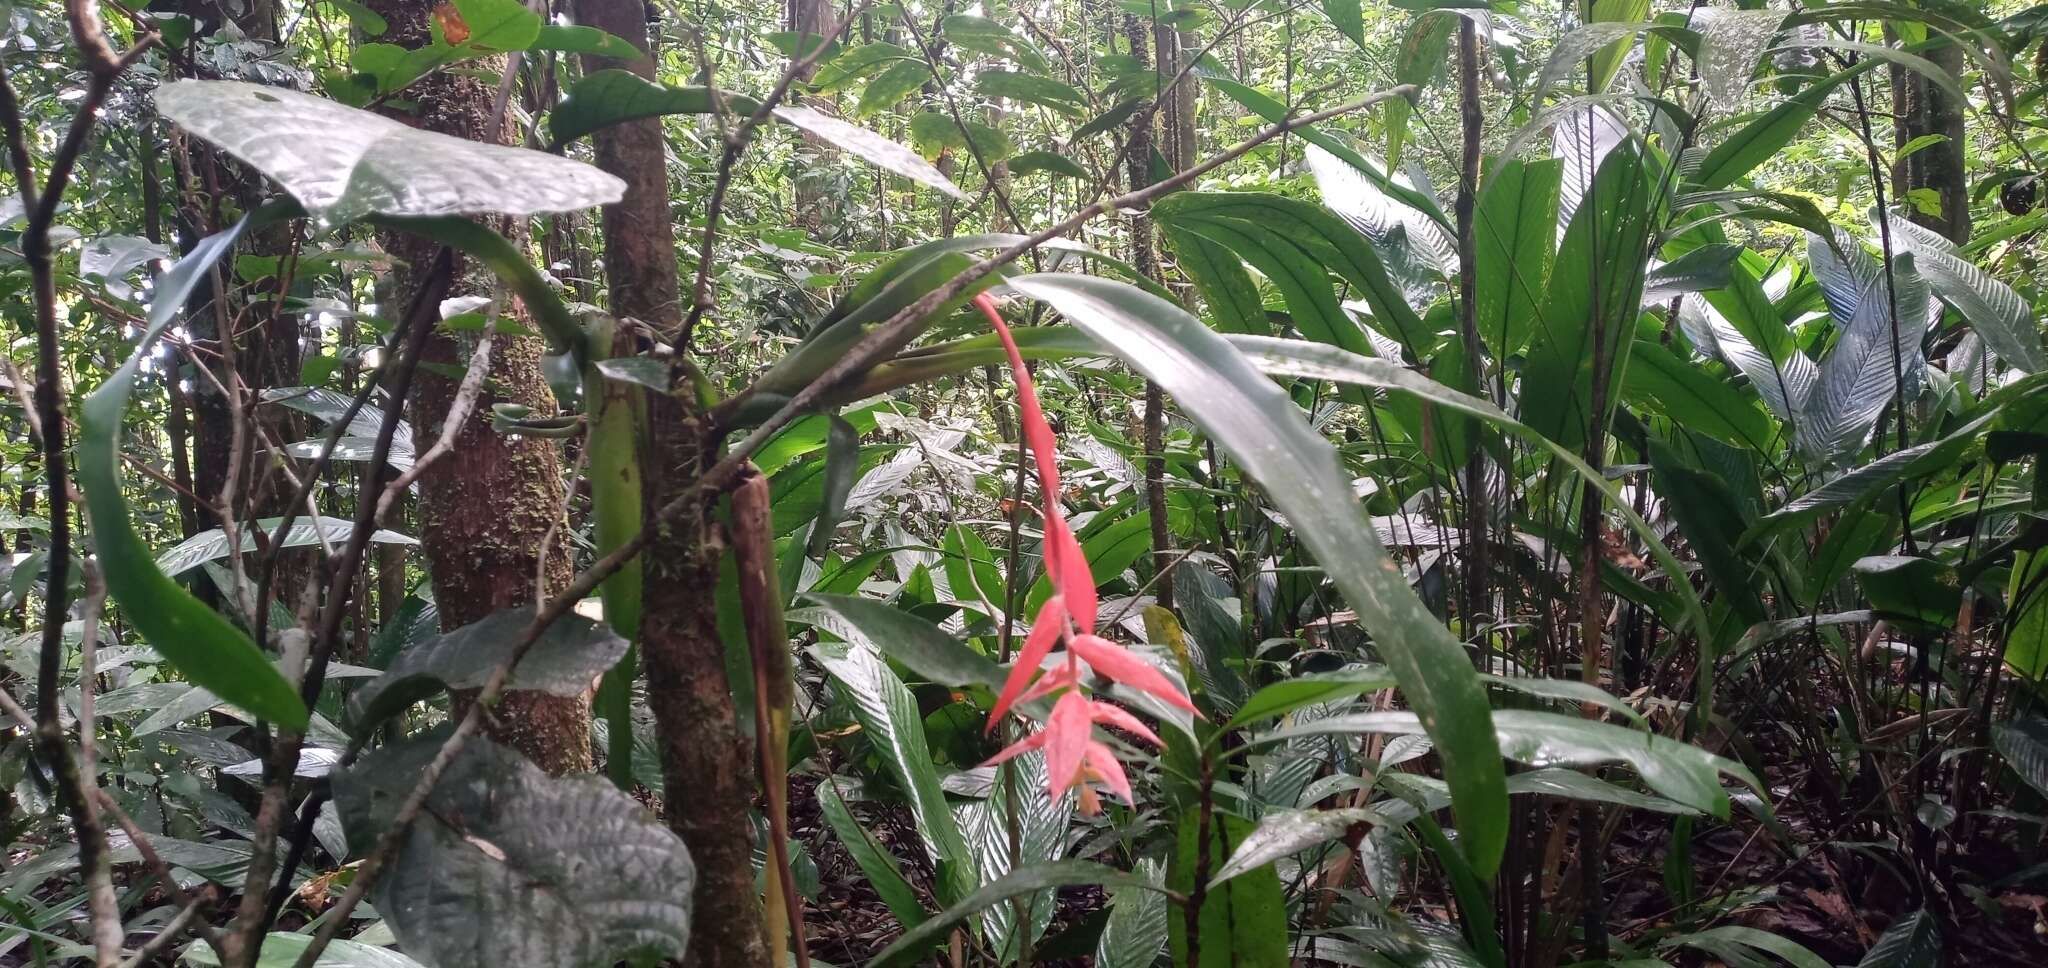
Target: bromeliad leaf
{"x":510,"y":866}
{"x":343,"y":163}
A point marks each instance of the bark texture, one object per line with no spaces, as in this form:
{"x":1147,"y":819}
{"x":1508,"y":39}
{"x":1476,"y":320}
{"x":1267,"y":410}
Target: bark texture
{"x":486,"y":514}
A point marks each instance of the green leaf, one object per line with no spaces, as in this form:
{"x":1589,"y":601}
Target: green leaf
{"x":212,"y":545}
{"x":578,"y":39}
{"x":1228,"y":292}
{"x":1265,"y":435}
{"x":891,"y":86}
{"x":1110,"y":549}
{"x":1057,"y":164}
{"x":1032,"y":89}
{"x":282,"y":949}
{"x":495,"y":25}
{"x":842,"y":461}
{"x":1346,"y":17}
{"x":1028,"y":880}
{"x":1598,"y":275}
{"x":1768,"y":134}
{"x":1910,"y":589}
{"x":1684,"y":773}
{"x":197,"y":640}
{"x":1292,"y":693}
{"x":921,"y":646}
{"x":1269,"y":108}
{"x":1284,"y":833}
{"x":1658,"y":381}
{"x":1514,"y":235}
{"x":870,"y":147}
{"x":1137,"y":924}
{"x":1243,"y":922}
{"x":2023,"y":743}
{"x":1710,"y":519}
{"x":1116,"y":115}
{"x":1992,"y":308}
{"x":1913,"y":941}
{"x":889,"y":718}
{"x":604,"y":98}
{"x":881,"y":868}
{"x":569,"y":654}
{"x":510,"y":866}
{"x":856,"y":63}
{"x":342,"y":163}
{"x":1718,"y":941}
{"x":1297,"y":245}
{"x":1573,"y":785}
{"x":984,"y":36}
{"x":362,"y":17}
{"x":933,"y":132}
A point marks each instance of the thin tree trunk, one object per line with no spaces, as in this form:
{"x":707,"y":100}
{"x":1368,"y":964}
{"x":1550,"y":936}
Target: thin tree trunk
{"x":1138,"y":159}
{"x":706,"y":766}
{"x":488,"y":517}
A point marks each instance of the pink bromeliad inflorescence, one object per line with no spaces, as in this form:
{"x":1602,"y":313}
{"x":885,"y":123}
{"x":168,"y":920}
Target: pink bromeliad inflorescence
{"x":1073,"y":756}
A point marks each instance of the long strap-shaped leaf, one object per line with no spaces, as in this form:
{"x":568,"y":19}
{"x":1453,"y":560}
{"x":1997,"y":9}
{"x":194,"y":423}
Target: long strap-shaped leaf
{"x":1265,"y":434}
{"x":207,"y":648}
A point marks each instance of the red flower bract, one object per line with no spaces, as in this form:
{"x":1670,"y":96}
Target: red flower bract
{"x":1073,"y":755}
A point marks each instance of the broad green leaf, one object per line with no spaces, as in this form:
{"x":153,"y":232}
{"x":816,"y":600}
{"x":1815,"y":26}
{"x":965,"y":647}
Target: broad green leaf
{"x":842,"y":463}
{"x":1347,"y":18}
{"x":282,"y":949}
{"x":578,"y":39}
{"x":1596,"y":282}
{"x":569,"y":654}
{"x":1718,"y":941}
{"x":1658,"y":381}
{"x":197,"y":640}
{"x":1565,"y":690}
{"x":870,"y":147}
{"x":1137,"y":924}
{"x":891,"y":86}
{"x":1514,"y":240}
{"x":933,"y":133}
{"x":881,"y":868}
{"x":343,"y":163}
{"x":1032,"y":89}
{"x":1992,"y":308}
{"x":510,"y":866}
{"x":921,"y":646}
{"x":1711,"y":520}
{"x":1271,"y":109}
{"x":1682,"y":772}
{"x":1283,"y":833}
{"x":1264,"y":433}
{"x":2026,"y":641}
{"x":1243,"y":921}
{"x":855,"y":63}
{"x":604,"y":98}
{"x":984,"y":36}
{"x":1028,"y":880}
{"x":1228,"y":292}
{"x":1913,"y":941}
{"x":1107,"y":120}
{"x":2024,"y":745}
{"x":1574,"y":785}
{"x":1047,"y":161}
{"x":1910,"y":590}
{"x":889,"y":718}
{"x":1740,"y":153}
{"x":1294,"y":692}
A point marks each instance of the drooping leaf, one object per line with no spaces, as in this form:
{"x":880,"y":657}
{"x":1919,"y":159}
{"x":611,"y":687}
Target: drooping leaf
{"x":343,"y":163}
{"x":2023,"y":743}
{"x":1731,"y":42}
{"x":571,"y":652}
{"x":883,"y":871}
{"x":1514,"y":239}
{"x":1294,"y":692}
{"x":197,"y":640}
{"x":985,"y":36}
{"x":1031,"y":89}
{"x":1766,"y":135}
{"x":1992,"y":308}
{"x":1574,"y":785}
{"x":1137,"y":924}
{"x":891,"y":86}
{"x":1264,"y":433}
{"x":1910,"y":589}
{"x":1913,"y":941}
{"x":1058,"y":164}
{"x":510,"y":866}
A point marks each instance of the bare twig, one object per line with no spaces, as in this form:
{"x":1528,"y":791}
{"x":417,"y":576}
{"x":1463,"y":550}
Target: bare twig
{"x":466,"y":396}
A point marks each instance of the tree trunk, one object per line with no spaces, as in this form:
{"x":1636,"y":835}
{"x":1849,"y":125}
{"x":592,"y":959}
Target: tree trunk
{"x":706,"y":766}
{"x":1138,"y":163}
{"x":488,"y":514}
{"x":1933,"y":175}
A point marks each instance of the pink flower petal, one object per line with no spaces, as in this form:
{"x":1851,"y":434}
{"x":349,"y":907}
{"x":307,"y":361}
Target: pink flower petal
{"x":1070,"y":574}
{"x":1045,"y":630}
{"x":1031,"y":742}
{"x":1109,"y":715}
{"x":1113,"y":661}
{"x":1067,"y":734}
{"x":1037,"y":433}
{"x":1103,"y":763}
{"x":1066,"y":675}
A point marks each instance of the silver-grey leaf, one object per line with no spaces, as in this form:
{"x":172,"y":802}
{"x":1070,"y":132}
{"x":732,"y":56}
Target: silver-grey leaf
{"x":1992,"y":308}
{"x":343,"y":163}
{"x":1284,"y":833}
{"x":213,"y":545}
{"x":870,"y":147}
{"x":1731,"y":42}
